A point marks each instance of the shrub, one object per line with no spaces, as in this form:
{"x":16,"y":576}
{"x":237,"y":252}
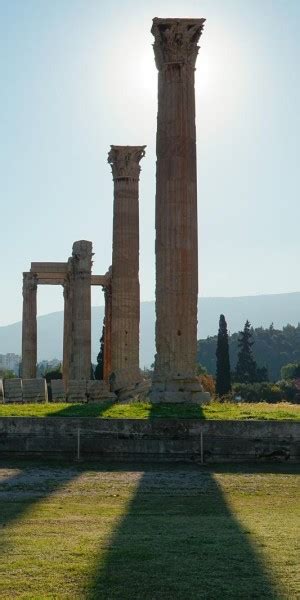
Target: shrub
{"x":266,"y":392}
{"x":208,"y":383}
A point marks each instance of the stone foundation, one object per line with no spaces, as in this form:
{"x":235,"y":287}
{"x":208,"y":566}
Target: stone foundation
{"x":58,"y":390}
{"x":161,"y":440}
{"x":13,"y":390}
{"x":34,"y":390}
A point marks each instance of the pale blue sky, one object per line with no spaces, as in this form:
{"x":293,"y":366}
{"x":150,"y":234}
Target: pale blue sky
{"x":79,"y":75}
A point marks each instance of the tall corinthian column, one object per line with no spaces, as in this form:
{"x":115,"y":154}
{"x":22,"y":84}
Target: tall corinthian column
{"x":175,"y":49}
{"x":125,"y":288}
{"x":81,"y":310}
{"x":29,"y":326}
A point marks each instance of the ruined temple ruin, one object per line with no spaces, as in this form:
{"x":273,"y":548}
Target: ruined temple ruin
{"x":176,"y":49}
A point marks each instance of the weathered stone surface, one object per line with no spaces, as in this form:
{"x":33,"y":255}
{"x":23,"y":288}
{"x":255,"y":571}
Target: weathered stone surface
{"x":29,"y":326}
{"x":98,"y":391}
{"x":77,"y":390}
{"x":58,"y":390}
{"x":68,"y":317}
{"x":13,"y":390}
{"x":107,"y":360}
{"x":1,"y":392}
{"x":152,"y":439}
{"x":176,"y":49}
{"x":34,"y":390}
{"x":81,"y":318}
{"x":125,"y":314}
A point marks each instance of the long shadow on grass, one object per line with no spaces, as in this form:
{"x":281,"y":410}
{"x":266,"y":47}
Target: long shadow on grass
{"x":32,"y":483}
{"x":191,"y":411}
{"x":179,"y":540}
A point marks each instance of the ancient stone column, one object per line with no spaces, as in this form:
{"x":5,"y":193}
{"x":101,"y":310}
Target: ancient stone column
{"x":68,"y":315}
{"x":107,"y":367}
{"x":81,"y":311}
{"x":175,"y":49}
{"x":124,"y":161}
{"x":29,"y":326}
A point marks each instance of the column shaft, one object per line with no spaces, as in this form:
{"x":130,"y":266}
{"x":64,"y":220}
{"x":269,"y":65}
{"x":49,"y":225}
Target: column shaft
{"x":107,"y":365}
{"x":81,"y":310}
{"x":125,"y":266}
{"x":29,"y":326}
{"x":176,"y":246}
{"x":67,"y":337}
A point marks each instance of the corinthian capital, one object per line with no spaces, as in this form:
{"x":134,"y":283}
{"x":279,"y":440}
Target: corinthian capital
{"x":124,"y":161}
{"x":175,"y":40}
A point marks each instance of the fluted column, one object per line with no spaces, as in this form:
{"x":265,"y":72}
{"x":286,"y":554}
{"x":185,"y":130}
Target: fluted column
{"x":107,"y":367}
{"x":29,"y":326}
{"x":81,"y":310}
{"x":124,"y":161}
{"x":68,"y":312}
{"x":175,"y":49}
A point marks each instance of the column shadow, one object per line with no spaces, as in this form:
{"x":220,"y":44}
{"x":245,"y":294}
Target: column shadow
{"x":32,"y":483}
{"x":179,"y":540}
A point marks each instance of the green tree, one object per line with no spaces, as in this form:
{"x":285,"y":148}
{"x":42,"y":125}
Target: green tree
{"x":246,"y":367}
{"x":223,"y":376}
{"x":100,"y":357}
{"x":7,"y":374}
{"x":290,"y":371}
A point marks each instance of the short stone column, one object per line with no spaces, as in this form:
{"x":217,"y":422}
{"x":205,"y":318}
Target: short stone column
{"x":68,"y":313}
{"x":175,"y":49}
{"x":29,"y":326}
{"x":124,"y":161}
{"x":107,"y":367}
{"x":81,"y":311}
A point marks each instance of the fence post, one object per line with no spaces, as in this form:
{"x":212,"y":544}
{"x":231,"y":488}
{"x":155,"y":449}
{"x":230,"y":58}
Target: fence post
{"x":78,"y":443}
{"x":201,"y":448}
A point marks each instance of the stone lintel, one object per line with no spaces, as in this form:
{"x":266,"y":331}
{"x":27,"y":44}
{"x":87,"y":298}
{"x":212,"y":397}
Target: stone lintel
{"x":102,"y":280}
{"x":55,"y":279}
{"x":176,"y":41}
{"x":49,"y":267}
{"x":124,"y":161}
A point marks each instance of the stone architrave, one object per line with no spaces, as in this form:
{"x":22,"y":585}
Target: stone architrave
{"x":176,"y":49}
{"x":29,"y":326}
{"x":80,"y":367}
{"x":124,"y":161}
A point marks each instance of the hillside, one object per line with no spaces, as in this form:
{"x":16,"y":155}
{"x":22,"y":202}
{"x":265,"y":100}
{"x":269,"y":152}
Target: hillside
{"x":260,"y":310}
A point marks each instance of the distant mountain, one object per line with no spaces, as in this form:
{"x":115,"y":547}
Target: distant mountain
{"x":260,"y":310}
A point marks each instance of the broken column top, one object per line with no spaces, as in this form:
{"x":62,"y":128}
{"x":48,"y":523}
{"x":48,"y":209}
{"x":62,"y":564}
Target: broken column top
{"x":124,"y":161}
{"x":176,"y":40}
{"x":29,"y":281}
{"x":82,"y":252}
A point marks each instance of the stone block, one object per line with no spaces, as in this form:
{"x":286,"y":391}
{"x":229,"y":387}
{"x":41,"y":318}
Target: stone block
{"x":98,"y":391}
{"x":77,"y":390}
{"x":1,"y":392}
{"x":13,"y":390}
{"x":35,"y":390}
{"x":58,"y":390}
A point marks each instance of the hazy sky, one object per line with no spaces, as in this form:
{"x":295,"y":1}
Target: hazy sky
{"x":79,"y":75}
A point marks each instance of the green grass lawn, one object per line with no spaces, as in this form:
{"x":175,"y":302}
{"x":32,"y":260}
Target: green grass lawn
{"x":143,"y":410}
{"x":148,"y":533}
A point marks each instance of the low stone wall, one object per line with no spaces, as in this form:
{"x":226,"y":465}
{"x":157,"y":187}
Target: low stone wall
{"x":150,"y":440}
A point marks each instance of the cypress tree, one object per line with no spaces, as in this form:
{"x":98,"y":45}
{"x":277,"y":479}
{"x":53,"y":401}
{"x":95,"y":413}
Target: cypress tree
{"x":100,"y":358}
{"x":246,"y":367}
{"x":223,"y":377}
